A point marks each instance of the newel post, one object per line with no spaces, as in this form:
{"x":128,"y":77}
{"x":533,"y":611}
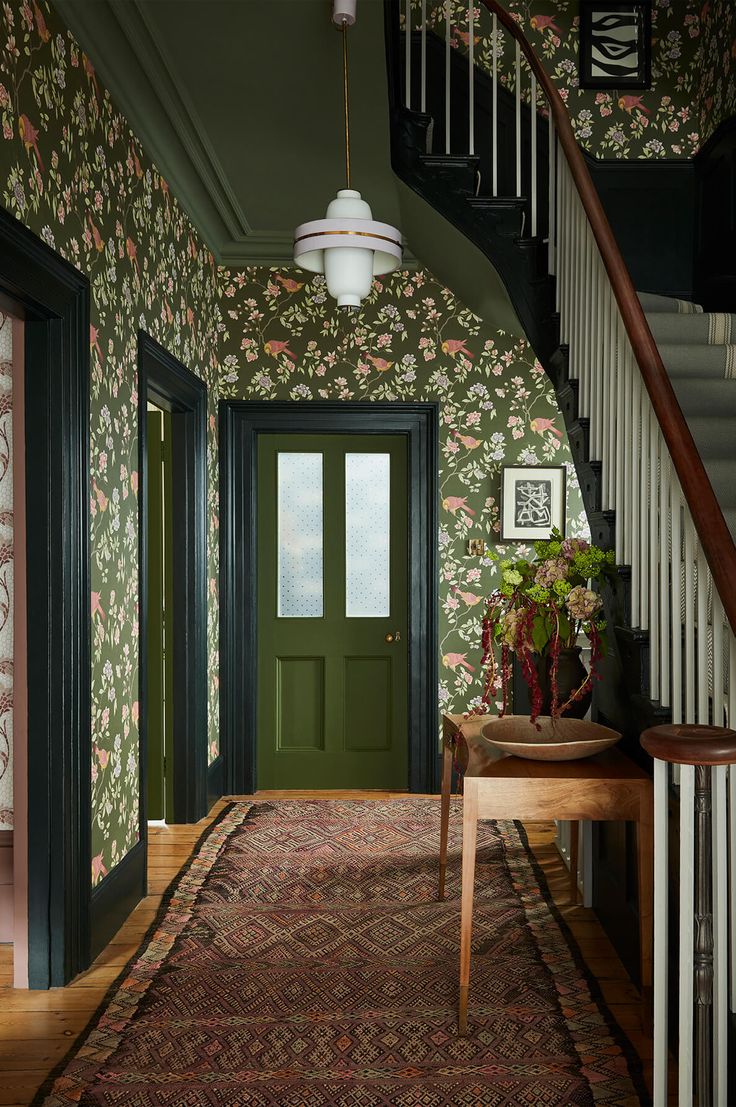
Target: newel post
{"x":703,"y":752}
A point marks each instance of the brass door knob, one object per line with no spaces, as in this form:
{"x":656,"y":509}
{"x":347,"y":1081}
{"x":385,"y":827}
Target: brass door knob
{"x":395,"y":637}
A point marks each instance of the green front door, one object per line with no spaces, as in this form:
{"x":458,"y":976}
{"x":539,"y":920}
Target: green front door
{"x":332,"y":611}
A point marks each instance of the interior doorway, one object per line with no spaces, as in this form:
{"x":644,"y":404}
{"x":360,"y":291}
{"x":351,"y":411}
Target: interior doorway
{"x":173,"y":588}
{"x":159,"y":616}
{"x":254,"y":681}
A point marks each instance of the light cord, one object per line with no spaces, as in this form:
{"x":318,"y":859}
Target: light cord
{"x":346,"y":98}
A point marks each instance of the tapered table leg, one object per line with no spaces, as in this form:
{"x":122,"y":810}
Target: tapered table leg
{"x":445,"y":814}
{"x":470,"y":835}
{"x":574,"y":859}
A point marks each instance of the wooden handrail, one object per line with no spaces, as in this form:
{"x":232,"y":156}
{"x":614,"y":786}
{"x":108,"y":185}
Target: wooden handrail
{"x":715,"y":537}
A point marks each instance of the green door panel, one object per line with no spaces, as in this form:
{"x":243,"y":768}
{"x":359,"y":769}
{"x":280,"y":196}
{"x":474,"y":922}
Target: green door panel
{"x":332,"y":692}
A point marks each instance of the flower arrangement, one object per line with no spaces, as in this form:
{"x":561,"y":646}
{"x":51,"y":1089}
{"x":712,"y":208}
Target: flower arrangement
{"x":541,"y":608}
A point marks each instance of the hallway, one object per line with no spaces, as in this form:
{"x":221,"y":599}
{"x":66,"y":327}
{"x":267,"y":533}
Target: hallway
{"x":40,"y":1027}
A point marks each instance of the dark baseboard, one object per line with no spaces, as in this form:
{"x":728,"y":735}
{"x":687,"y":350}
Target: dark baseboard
{"x":117,"y":895}
{"x":215,"y":781}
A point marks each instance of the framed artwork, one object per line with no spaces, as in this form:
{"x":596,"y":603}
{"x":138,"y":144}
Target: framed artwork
{"x":615,"y":44}
{"x":532,"y":502}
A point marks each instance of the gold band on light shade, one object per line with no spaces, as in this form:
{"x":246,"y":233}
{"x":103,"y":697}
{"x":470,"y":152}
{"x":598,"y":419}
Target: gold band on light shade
{"x":358,"y":234}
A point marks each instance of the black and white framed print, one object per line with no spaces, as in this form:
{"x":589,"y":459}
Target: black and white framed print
{"x":615,"y":44}
{"x":532,"y":502}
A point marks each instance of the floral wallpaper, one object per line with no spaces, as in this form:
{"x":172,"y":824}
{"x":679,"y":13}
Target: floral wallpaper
{"x":716,"y":65}
{"x":412,"y":340}
{"x":72,"y":171}
{"x":6,"y":572}
{"x":660,"y":122}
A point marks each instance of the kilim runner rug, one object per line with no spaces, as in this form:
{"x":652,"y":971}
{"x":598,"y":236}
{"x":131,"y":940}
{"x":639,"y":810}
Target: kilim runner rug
{"x":302,"y":960}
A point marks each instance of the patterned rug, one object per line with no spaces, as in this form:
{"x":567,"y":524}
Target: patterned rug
{"x":302,"y":960}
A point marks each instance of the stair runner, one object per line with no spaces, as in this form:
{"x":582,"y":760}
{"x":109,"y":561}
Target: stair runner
{"x":698,"y":350}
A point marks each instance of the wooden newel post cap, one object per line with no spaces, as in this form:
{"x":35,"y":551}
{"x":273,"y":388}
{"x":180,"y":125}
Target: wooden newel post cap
{"x":691,"y":744}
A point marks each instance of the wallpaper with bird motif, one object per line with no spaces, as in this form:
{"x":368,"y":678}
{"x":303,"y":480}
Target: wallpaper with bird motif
{"x":664,"y":121}
{"x":412,"y":340}
{"x":716,"y":65}
{"x":72,"y":171}
{"x":6,"y":572}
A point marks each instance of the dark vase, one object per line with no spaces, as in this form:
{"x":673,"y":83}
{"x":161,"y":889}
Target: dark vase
{"x":570,"y":675}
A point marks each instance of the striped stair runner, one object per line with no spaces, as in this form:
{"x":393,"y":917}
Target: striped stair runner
{"x":698,"y":350}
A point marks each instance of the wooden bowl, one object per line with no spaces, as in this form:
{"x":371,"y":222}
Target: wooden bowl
{"x":556,"y":739}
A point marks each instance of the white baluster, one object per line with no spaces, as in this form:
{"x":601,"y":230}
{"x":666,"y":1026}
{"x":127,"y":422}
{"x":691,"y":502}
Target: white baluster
{"x":494,"y":105}
{"x":653,"y":546}
{"x":689,"y":673}
{"x":643,"y":521}
{"x":448,"y":32}
{"x":471,"y":78}
{"x":687,"y":908}
{"x":676,"y":573}
{"x":407,"y":56}
{"x":621,"y":437}
{"x":533,"y":118}
{"x":623,"y":493}
{"x":701,"y":672}
{"x":518,"y":118}
{"x":614,"y":371}
{"x":635,"y":493}
{"x":661,"y":929}
{"x":665,"y":558}
{"x":424,"y":57}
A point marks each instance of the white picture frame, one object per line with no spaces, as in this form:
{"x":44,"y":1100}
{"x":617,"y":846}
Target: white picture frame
{"x":532,"y":502}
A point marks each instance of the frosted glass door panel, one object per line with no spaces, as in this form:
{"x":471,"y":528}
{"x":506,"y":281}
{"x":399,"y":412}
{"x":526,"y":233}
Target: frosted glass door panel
{"x":300,"y":536}
{"x":367,"y":535}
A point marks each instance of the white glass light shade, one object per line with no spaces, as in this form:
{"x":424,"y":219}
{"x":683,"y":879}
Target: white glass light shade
{"x":349,"y":247}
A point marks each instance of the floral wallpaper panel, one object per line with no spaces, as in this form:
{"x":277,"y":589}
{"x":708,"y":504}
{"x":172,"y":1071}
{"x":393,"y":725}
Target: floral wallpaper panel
{"x":72,"y":171}
{"x":284,"y":338}
{"x":716,"y":91}
{"x":6,"y":572}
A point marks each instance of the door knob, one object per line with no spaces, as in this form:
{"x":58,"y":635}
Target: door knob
{"x":395,"y":637}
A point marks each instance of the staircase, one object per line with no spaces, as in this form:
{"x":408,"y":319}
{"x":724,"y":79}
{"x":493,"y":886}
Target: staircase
{"x":647,"y":387}
{"x":698,"y":350}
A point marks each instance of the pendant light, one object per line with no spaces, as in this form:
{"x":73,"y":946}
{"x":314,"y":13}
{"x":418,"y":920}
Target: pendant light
{"x":348,"y":245}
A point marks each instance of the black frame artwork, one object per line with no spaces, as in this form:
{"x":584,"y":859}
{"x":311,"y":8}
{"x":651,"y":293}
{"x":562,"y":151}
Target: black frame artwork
{"x":620,"y":76}
{"x":510,"y":482}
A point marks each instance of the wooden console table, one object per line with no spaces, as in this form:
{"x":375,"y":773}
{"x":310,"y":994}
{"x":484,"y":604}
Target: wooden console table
{"x":607,"y":786}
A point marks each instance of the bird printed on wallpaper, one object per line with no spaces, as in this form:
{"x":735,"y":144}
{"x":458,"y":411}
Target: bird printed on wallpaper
{"x":464,"y":37}
{"x":628,"y":103}
{"x":43,"y":32}
{"x":289,"y":284}
{"x":467,"y":440}
{"x":29,"y":136}
{"x":89,"y":70}
{"x":136,"y":163}
{"x":96,"y":605}
{"x":96,"y":236}
{"x":100,"y":496}
{"x":457,"y":503}
{"x":103,"y":756}
{"x":455,"y":346}
{"x":452,"y":660}
{"x":539,"y":426}
{"x":132,"y":251}
{"x":379,"y":363}
{"x":275,"y":347}
{"x":544,"y":23}
{"x":469,"y":598}
{"x":94,"y":342}
{"x":169,"y":312}
{"x":98,"y":868}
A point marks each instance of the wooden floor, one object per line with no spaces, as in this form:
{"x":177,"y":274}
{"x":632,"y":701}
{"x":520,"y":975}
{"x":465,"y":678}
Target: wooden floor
{"x":38,"y":1028}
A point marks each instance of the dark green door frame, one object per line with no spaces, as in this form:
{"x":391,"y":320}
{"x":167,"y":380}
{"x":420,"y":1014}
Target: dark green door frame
{"x":172,"y":387}
{"x":52,"y":297}
{"x":241,"y":423}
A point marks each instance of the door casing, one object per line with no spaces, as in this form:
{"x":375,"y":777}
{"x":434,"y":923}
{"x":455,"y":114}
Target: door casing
{"x":172,"y":387}
{"x":241,"y":423}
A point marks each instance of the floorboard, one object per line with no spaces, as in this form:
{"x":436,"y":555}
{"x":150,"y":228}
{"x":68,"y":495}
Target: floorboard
{"x":37,"y":1028}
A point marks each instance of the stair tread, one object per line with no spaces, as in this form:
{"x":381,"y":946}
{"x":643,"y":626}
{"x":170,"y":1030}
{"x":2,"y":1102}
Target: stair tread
{"x":654,"y":302}
{"x":692,"y":359}
{"x":709,"y":328}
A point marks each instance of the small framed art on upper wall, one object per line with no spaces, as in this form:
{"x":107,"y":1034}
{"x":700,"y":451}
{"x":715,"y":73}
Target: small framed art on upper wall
{"x":532,"y":502}
{"x":615,"y":44}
